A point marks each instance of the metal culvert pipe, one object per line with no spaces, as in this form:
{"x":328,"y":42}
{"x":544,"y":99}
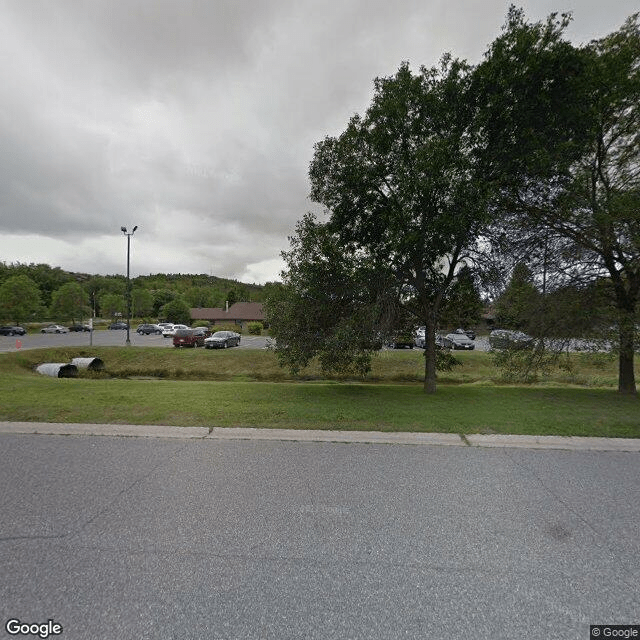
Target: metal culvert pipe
{"x":93,"y":364}
{"x":58,"y":370}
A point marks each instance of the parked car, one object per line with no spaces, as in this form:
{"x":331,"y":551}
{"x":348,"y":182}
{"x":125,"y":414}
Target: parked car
{"x":470,"y":333}
{"x":443,"y":342}
{"x":146,"y":329}
{"x":401,"y":340}
{"x":170,"y":331}
{"x":79,"y":327}
{"x":54,"y":328}
{"x":118,"y":325}
{"x":12,"y":331}
{"x":460,"y":341}
{"x":222,"y":340}
{"x":507,"y":339}
{"x":190,"y":337}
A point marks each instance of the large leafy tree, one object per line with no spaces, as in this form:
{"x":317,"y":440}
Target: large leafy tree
{"x":70,"y":302}
{"x":563,"y":125}
{"x":141,"y":302}
{"x":331,"y":303}
{"x":19,"y":298}
{"x":519,"y":303}
{"x":177,"y":311}
{"x":112,"y":304}
{"x":463,"y":305}
{"x":403,"y":188}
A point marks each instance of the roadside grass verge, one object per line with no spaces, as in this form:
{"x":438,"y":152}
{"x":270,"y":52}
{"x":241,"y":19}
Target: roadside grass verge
{"x":246,"y":388}
{"x":346,"y":406}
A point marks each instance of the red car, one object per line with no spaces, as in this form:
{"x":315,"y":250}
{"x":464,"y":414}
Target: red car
{"x":190,"y":337}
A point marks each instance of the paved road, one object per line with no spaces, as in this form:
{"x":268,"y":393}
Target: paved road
{"x":116,"y":537}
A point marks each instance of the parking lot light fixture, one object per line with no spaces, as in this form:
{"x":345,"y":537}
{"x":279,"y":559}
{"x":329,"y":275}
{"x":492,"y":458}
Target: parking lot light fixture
{"x":124,"y":230}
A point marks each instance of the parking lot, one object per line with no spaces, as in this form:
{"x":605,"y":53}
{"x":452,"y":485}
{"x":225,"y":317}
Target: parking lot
{"x":103,"y":338}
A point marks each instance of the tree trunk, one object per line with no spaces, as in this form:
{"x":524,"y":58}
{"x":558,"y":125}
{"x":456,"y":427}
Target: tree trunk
{"x":430,"y":356}
{"x":626,"y":373}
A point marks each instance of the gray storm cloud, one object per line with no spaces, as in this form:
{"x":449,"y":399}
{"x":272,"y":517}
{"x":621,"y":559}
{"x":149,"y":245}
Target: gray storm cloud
{"x":196,"y":120}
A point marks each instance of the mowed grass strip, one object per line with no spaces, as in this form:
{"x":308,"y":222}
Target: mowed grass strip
{"x":345,"y":406}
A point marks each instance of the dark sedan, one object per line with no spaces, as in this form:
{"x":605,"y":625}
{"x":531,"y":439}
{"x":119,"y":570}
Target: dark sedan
{"x":222,"y":340}
{"x":148,"y":329}
{"x":500,"y":339}
{"x":470,"y":333}
{"x":79,"y":327}
{"x":12,"y":331}
{"x":460,"y":341}
{"x":118,"y":325}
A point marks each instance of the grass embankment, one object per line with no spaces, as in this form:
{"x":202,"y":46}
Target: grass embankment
{"x":247,"y":388}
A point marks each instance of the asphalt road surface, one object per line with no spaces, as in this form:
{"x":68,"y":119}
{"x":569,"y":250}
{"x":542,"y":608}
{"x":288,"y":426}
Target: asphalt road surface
{"x":136,"y":538}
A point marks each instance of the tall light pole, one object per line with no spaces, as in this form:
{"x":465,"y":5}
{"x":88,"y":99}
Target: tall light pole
{"x":124,"y":230}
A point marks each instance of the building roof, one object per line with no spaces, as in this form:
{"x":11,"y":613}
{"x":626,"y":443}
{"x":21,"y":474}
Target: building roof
{"x":237,"y":311}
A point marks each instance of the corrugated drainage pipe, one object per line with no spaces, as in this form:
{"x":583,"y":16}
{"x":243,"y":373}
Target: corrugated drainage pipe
{"x":58,"y":370}
{"x":93,"y":364}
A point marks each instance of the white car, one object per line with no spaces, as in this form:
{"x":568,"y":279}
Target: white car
{"x":54,"y":328}
{"x":169,"y":332}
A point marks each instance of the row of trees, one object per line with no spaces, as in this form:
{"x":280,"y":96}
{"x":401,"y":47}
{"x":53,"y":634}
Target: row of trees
{"x":36,"y":292}
{"x":531,"y":155}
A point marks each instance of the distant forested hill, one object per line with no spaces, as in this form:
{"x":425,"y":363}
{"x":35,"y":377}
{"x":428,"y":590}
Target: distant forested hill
{"x":153,"y":291}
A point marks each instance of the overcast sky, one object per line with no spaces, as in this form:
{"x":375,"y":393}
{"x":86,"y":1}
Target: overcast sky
{"x":196,"y":120}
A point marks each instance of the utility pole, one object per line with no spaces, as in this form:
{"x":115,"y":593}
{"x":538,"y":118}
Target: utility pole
{"x":124,"y":230}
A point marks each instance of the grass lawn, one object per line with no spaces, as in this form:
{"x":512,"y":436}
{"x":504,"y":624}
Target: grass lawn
{"x":246,"y":388}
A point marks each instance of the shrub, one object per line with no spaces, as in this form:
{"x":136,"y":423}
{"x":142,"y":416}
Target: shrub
{"x":525,"y":365}
{"x":226,"y":327}
{"x":255,"y":328}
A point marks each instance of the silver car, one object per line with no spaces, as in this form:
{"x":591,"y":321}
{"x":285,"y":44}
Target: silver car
{"x":54,"y":328}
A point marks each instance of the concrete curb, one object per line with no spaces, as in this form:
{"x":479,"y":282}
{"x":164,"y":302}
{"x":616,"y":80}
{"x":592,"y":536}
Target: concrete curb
{"x":317,"y":435}
{"x":573,"y":443}
{"x":140,"y":431}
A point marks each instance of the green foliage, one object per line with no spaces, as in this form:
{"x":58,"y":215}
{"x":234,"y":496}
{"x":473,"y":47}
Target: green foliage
{"x":446,"y":361}
{"x":47,"y":279}
{"x":232,"y":297}
{"x":197,"y":290}
{"x":463,"y":304}
{"x":405,"y":193}
{"x":255,"y":328}
{"x":177,"y":311}
{"x":70,"y":302}
{"x":525,"y":366}
{"x":517,"y":307}
{"x":329,"y":305}
{"x":112,"y":305}
{"x":227,"y":327}
{"x":562,"y":125}
{"x":19,"y":299}
{"x":160,"y":298}
{"x":141,"y":302}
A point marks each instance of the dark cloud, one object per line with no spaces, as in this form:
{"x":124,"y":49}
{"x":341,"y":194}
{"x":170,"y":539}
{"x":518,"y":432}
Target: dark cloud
{"x":196,"y":120}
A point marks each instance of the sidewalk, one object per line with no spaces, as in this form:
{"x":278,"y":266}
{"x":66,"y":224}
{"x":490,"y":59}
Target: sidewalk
{"x":574,"y":443}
